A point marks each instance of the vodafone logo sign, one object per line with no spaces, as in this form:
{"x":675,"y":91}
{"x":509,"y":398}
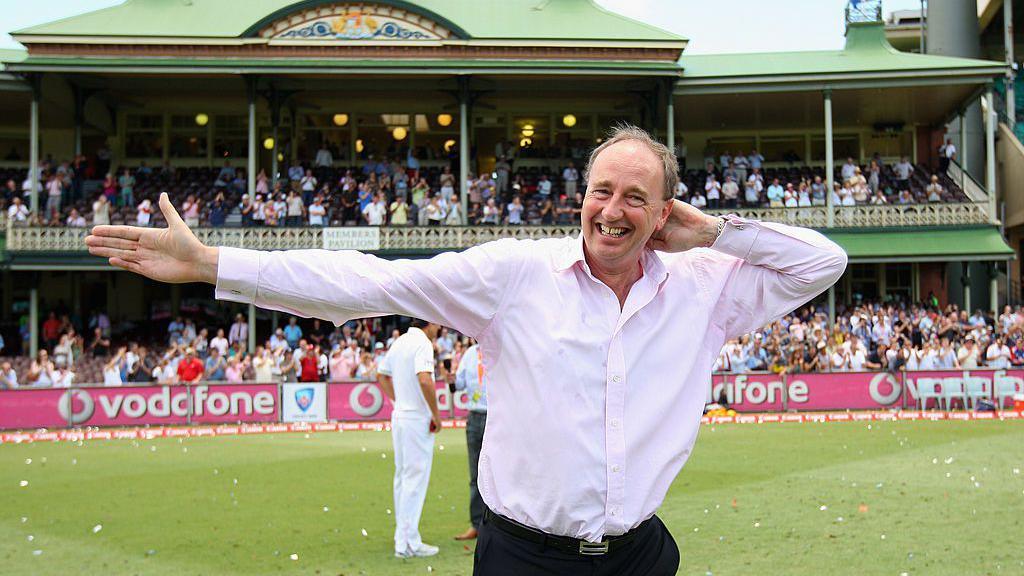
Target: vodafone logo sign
{"x":76,"y":406}
{"x":79,"y":406}
{"x":885,"y":389}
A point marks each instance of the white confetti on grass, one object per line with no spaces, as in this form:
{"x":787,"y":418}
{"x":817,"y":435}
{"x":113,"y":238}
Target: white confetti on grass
{"x":37,"y":552}
{"x":23,"y":483}
{"x":823,"y":508}
{"x":294,"y":556}
{"x":30,"y":537}
{"x":363,"y":532}
{"x":97,"y":528}
{"x":28,"y":461}
{"x":326,"y":509}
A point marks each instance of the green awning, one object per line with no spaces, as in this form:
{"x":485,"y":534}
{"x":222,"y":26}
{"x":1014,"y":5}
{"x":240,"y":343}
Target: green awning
{"x":921,"y":245}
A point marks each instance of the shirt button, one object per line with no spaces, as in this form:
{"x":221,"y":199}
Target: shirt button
{"x":615,"y":422}
{"x":616,"y":468}
{"x":616,"y":378}
{"x":615,"y":511}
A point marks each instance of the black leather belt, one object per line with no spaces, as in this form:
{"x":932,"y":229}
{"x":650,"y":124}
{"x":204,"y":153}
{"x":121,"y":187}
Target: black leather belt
{"x":562,"y":543}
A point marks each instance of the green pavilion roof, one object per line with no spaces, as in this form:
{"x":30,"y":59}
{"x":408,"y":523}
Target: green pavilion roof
{"x":867,"y":52}
{"x":519,"y":19}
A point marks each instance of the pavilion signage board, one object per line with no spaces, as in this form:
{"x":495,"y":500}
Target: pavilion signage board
{"x":365,"y":238}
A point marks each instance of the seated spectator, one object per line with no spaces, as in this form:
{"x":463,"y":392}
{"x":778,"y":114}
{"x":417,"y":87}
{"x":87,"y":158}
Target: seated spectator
{"x":879,"y":198}
{"x":218,"y":211}
{"x":190,"y":211}
{"x":144,"y":213}
{"x":17,"y":212}
{"x":101,"y":211}
{"x":8,"y":376}
{"x":934,"y":190}
{"x":225,"y":176}
{"x":41,"y":371}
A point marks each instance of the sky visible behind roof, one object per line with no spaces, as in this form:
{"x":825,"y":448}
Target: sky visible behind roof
{"x":733,"y":26}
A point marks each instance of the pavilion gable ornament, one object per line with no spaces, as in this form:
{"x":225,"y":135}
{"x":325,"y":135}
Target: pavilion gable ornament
{"x":355,"y":21}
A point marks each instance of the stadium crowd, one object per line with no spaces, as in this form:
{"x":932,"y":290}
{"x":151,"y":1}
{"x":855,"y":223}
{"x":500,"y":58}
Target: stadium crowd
{"x":868,"y":336}
{"x":397,"y":191}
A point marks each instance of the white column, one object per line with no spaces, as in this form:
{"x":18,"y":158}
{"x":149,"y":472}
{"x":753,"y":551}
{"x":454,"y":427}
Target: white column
{"x":464,"y":156}
{"x":33,"y":321}
{"x":252,"y":328}
{"x":1011,"y":105}
{"x":79,"y":116}
{"x":33,"y":155}
{"x":961,"y":154}
{"x":829,"y":161}
{"x":251,"y":169}
{"x":990,"y":153}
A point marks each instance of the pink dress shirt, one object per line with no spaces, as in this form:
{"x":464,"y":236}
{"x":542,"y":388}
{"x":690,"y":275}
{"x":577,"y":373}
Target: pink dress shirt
{"x":593,"y":410}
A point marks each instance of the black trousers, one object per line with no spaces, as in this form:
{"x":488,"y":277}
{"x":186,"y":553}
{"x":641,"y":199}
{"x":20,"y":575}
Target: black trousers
{"x":474,"y":442}
{"x":652,"y":553}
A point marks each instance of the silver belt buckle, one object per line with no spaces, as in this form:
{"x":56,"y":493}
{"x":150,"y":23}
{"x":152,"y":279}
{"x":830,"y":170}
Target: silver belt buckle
{"x":593,"y":548}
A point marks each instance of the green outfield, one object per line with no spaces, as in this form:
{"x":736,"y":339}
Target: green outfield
{"x":834,"y":498}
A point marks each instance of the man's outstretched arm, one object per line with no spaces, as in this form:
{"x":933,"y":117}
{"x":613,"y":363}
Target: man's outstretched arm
{"x":461,"y":290}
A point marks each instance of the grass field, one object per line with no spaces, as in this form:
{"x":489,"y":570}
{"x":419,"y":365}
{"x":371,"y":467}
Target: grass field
{"x":836,"y":498}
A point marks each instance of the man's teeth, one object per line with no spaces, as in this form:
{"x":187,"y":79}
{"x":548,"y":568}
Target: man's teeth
{"x":611,"y":231}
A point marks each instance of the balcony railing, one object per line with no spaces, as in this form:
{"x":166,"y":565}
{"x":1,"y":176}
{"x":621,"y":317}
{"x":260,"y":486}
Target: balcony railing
{"x":436,"y":238}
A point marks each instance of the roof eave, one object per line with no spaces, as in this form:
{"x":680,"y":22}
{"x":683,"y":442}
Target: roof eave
{"x":846,"y":80}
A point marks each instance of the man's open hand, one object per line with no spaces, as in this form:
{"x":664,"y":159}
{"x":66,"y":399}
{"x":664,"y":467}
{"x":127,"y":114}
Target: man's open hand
{"x":171,"y":254}
{"x":686,"y":228}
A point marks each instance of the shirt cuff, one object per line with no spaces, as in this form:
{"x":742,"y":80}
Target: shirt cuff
{"x":238,"y":275}
{"x":737,"y":238}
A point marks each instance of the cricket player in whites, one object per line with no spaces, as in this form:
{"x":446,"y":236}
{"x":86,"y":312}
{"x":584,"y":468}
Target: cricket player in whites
{"x":407,"y":377}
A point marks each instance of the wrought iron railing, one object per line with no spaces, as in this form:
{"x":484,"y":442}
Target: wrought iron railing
{"x":438,"y":238}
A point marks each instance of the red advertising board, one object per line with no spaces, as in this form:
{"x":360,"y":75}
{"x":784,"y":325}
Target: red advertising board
{"x":350,"y":401}
{"x":138,"y":405}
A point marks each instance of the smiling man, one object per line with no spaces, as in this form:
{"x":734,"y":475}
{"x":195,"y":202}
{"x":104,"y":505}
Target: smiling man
{"x":621,"y":327}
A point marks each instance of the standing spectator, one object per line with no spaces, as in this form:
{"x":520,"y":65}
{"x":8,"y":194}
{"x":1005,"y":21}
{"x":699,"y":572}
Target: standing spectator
{"x":515,"y":211}
{"x":245,"y":209}
{"x":317,"y":212}
{"x":569,"y":178}
{"x":259,"y":211}
{"x":239,"y":331}
{"x":454,"y":215}
{"x":903,"y":171}
{"x":101,"y":211}
{"x":51,"y":330}
{"x":113,"y":368}
{"x":712,"y":191}
{"x":399,"y":212}
{"x":190,"y":368}
{"x":947,"y":153}
{"x":756,"y":160}
{"x":54,"y":191}
{"x":698,"y":200}
{"x":220,"y":342}
{"x":75,"y":220}
{"x":190,"y":211}
{"x":218,"y":211}
{"x":292,"y":332}
{"x":776,"y":193}
{"x":127,"y":184}
{"x":544,"y":186}
{"x":295,"y":205}
{"x":433,"y":212}
{"x":308,"y":186}
{"x":144,"y":213}
{"x":849,"y":169}
{"x":375,"y":212}
{"x":215,"y":365}
{"x":730,"y":192}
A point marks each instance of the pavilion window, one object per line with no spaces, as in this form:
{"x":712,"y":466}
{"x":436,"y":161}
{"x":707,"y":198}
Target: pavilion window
{"x":843,"y":146}
{"x":230,"y":136}
{"x":430,"y":137}
{"x":187,"y":140}
{"x":143,"y":136}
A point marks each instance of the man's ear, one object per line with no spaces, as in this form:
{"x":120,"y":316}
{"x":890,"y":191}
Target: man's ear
{"x":665,"y":212}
